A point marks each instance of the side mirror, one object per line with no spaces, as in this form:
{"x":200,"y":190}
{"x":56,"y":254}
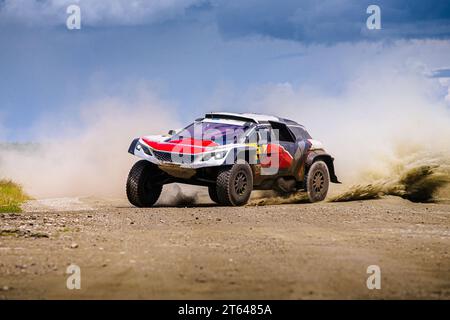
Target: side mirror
{"x":172,"y":132}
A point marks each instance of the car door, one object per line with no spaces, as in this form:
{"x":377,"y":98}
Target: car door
{"x":284,"y":136}
{"x":275,"y":152}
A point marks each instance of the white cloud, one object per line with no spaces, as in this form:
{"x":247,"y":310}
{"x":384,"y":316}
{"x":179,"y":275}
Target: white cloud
{"x":93,"y":12}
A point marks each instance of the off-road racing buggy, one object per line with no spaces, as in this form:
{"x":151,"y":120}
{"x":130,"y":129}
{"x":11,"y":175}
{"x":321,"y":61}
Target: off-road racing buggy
{"x":231,"y":154}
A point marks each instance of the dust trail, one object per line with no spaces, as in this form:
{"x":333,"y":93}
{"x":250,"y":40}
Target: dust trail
{"x":418,"y":178}
{"x":266,"y":198}
{"x":384,"y":128}
{"x":179,"y":196}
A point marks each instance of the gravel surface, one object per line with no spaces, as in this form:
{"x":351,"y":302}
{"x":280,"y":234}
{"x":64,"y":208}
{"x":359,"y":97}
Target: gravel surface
{"x":289,"y":251}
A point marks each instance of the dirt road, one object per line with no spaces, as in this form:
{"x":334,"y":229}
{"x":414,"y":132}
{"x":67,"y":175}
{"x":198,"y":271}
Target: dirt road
{"x":291,"y":251}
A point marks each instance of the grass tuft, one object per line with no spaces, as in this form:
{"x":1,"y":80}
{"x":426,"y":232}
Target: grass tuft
{"x":11,"y":196}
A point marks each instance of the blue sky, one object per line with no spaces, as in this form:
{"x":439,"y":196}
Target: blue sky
{"x":204,"y":55}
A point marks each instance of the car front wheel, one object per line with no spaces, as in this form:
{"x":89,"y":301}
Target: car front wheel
{"x":234,"y":184}
{"x":142,"y":191}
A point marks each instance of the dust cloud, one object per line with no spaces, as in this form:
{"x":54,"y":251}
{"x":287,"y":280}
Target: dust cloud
{"x":88,"y":158}
{"x":389,"y":135}
{"x":179,"y":196}
{"x":418,"y":178}
{"x":390,"y":131}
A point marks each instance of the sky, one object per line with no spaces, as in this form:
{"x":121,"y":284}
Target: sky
{"x":208,"y":55}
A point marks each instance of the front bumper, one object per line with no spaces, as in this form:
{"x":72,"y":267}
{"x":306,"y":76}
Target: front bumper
{"x":169,"y":159}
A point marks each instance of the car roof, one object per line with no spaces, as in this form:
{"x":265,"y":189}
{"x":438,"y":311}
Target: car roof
{"x":250,"y":117}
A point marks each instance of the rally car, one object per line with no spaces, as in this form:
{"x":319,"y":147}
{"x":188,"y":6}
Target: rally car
{"x":231,"y":154}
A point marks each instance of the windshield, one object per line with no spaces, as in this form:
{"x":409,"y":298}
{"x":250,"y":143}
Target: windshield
{"x":218,"y":132}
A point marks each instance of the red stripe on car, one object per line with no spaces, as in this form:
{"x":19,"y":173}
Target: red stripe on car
{"x":273,"y":153}
{"x":184,"y":146}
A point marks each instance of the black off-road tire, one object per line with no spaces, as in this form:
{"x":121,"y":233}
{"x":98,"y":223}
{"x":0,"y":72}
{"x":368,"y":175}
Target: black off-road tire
{"x":142,"y":192}
{"x":212,"y":191}
{"x":317,"y":181}
{"x":235,"y":184}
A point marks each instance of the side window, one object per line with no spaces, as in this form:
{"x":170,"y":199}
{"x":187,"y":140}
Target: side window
{"x":284,"y":133}
{"x":264,"y":135}
{"x":300,"y":133}
{"x":252,"y":138}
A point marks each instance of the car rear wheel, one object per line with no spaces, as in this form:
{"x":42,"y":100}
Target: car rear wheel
{"x":317,"y":181}
{"x":235,"y":184}
{"x":142,"y":191}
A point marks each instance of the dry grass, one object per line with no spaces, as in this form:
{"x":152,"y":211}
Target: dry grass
{"x":11,"y":196}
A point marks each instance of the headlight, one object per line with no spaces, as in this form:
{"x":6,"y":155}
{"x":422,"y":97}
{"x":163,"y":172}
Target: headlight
{"x":216,"y":155}
{"x":146,"y":150}
{"x":207,"y":156}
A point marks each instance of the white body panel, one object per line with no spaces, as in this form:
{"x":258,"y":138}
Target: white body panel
{"x":199,"y":160}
